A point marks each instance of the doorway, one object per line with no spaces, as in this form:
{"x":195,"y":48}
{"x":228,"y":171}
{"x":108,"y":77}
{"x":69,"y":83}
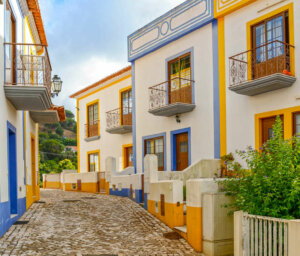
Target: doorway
{"x":267,"y":128}
{"x":12,"y":168}
{"x":182,"y":151}
{"x":33,"y":166}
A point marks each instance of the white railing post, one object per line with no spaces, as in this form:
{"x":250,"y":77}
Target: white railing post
{"x":294,"y":237}
{"x":238,"y":233}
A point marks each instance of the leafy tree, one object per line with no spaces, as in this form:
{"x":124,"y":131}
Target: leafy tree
{"x":59,"y":130}
{"x":270,"y":186}
{"x":42,"y":137}
{"x":70,"y":142}
{"x":66,"y":164}
{"x":69,"y":114}
{"x":51,"y":149}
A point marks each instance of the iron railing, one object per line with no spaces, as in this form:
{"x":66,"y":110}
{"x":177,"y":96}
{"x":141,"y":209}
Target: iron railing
{"x":27,"y":65}
{"x":267,"y":59}
{"x":118,"y":117}
{"x":92,"y":129}
{"x":175,"y":90}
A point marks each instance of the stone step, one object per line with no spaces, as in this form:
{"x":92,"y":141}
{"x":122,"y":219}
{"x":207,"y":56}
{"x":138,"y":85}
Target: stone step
{"x":181,"y":229}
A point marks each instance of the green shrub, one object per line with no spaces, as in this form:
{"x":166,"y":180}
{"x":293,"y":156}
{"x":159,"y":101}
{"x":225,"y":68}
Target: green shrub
{"x":270,"y":186}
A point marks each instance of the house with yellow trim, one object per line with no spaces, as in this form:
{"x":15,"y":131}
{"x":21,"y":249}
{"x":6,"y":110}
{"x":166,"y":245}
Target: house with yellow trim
{"x":104,"y":118}
{"x":258,"y":70}
{"x":25,"y":79}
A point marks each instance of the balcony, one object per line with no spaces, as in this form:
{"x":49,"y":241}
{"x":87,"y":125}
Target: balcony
{"x":119,"y":121}
{"x":171,"y":98}
{"x":263,"y":69}
{"x":53,"y":115}
{"x":92,"y":131}
{"x":27,"y":77}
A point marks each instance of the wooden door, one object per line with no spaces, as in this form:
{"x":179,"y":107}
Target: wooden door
{"x":33,"y":167}
{"x":182,"y":151}
{"x":128,"y":158}
{"x":267,"y":128}
{"x":126,"y":115}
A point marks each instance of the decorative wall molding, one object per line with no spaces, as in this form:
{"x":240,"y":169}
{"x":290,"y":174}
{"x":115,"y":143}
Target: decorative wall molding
{"x":223,"y":7}
{"x":185,"y":18}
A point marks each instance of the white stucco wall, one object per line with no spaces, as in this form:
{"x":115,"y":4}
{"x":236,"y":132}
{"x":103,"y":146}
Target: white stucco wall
{"x":151,"y":70}
{"x":108,"y":144}
{"x":8,"y":113}
{"x":241,"y":109}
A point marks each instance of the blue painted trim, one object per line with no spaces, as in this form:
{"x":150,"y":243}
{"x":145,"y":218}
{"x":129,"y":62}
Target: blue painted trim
{"x":5,"y":218}
{"x":173,"y":36}
{"x":146,"y":201}
{"x":125,"y":192}
{"x":133,"y":116}
{"x":216,"y":92}
{"x":24,"y":151}
{"x":152,"y":137}
{"x":173,"y":146}
{"x":12,"y":168}
{"x":191,"y":51}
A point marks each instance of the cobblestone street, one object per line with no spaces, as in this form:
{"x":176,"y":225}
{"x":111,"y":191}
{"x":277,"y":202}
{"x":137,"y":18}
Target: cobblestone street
{"x":71,"y":223}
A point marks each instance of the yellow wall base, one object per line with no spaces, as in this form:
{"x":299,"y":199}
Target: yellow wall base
{"x":52,"y":184}
{"x":85,"y":187}
{"x":194,"y":227}
{"x":107,"y":187}
{"x":173,"y":213}
{"x":30,"y":198}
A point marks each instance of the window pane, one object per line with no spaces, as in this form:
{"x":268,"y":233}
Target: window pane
{"x":297,"y":124}
{"x":159,"y":145}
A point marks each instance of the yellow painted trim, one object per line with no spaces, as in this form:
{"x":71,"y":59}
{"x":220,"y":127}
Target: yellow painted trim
{"x":287,"y":126}
{"x":120,"y":100}
{"x":87,"y":113}
{"x":78,"y":137}
{"x":30,"y":31}
{"x":104,"y":87}
{"x":222,"y":86}
{"x":123,"y":152}
{"x":290,"y":9}
{"x":231,"y":8}
{"x":25,"y":144}
{"x":87,"y":160}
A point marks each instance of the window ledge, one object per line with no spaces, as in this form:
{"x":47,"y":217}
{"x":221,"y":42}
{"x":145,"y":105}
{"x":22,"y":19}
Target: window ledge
{"x":92,"y":138}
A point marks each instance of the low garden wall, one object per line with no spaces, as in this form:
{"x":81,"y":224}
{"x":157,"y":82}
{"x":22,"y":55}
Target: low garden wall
{"x":84,"y":182}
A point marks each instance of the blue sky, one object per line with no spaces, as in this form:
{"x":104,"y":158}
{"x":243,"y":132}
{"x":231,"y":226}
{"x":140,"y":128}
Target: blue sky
{"x":88,"y":38}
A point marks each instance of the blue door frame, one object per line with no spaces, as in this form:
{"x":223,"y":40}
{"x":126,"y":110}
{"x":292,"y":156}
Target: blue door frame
{"x":12,"y":168}
{"x":173,"y":146}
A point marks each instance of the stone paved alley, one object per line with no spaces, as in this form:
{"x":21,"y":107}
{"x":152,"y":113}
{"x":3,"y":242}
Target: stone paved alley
{"x":93,"y":225}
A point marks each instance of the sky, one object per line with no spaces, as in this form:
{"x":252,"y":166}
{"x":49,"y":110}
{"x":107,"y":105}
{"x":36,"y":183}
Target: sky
{"x":88,"y":38}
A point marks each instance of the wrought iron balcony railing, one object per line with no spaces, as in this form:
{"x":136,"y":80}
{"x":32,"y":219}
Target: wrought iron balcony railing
{"x":176,"y":90}
{"x":27,"y":65}
{"x":268,"y":59}
{"x":92,"y":129}
{"x":118,"y":117}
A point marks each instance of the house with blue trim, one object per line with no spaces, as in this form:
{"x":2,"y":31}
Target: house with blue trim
{"x":25,"y":81}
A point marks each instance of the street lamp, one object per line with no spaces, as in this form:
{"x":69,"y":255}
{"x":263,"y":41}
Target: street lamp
{"x":56,"y":85}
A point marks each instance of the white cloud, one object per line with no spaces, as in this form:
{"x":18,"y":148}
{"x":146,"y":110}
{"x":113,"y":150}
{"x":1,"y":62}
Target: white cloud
{"x":87,"y":38}
{"x":81,"y":74}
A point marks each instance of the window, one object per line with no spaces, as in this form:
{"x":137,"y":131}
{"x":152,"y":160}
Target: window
{"x":296,"y":125}
{"x":126,"y":100}
{"x":92,"y":127}
{"x":93,"y":162}
{"x":180,"y":79}
{"x":270,"y":39}
{"x":10,"y":49}
{"x":127,"y":156}
{"x":156,"y":146}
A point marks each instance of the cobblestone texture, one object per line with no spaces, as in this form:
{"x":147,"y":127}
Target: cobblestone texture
{"x":94,"y":225}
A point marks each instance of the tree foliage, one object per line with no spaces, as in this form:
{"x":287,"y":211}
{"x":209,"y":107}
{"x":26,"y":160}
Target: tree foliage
{"x":270,"y":185}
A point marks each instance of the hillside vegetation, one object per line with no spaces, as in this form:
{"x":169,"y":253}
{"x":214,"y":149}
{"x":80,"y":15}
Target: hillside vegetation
{"x":56,"y":144}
